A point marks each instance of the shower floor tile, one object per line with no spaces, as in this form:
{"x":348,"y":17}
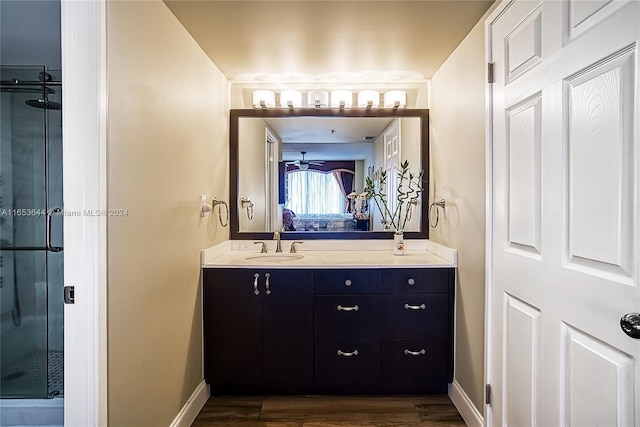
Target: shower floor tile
{"x":29,"y":374}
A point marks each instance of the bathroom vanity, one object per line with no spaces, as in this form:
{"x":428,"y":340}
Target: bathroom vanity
{"x":329,"y":321}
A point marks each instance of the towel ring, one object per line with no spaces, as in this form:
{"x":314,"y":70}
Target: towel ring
{"x":248,"y":204}
{"x":440,"y":203}
{"x":215,"y":202}
{"x":412,"y":203}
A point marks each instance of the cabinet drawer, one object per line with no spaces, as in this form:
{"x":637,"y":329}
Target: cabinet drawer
{"x":414,"y":366}
{"x":413,"y":281}
{"x":347,"y":317}
{"x":348,"y":365}
{"x":416,"y":316}
{"x":347,"y":281}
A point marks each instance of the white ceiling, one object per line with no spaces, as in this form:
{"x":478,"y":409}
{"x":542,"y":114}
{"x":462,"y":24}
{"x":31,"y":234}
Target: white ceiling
{"x":387,"y":39}
{"x":328,"y":138}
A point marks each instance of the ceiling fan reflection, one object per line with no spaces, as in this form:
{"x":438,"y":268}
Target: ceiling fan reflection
{"x":304,"y":164}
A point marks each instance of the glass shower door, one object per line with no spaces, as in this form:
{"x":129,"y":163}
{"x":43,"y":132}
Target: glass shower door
{"x":30,"y":265}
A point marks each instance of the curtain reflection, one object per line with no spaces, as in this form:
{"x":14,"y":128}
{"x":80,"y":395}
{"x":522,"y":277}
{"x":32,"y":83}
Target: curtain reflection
{"x":312,"y":192}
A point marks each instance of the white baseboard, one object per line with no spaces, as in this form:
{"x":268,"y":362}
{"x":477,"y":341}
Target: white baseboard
{"x":463,"y":404}
{"x":191,"y":409}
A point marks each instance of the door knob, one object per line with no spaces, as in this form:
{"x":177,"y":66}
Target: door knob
{"x":630,"y":324}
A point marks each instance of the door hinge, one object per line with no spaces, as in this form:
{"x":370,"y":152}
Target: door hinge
{"x":69,"y":295}
{"x":487,"y":393}
{"x":490,"y":78}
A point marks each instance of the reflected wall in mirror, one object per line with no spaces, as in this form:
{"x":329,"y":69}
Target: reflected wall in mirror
{"x":300,"y":170}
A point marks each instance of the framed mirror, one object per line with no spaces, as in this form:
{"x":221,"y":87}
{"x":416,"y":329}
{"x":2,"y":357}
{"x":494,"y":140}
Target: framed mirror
{"x":300,"y":170}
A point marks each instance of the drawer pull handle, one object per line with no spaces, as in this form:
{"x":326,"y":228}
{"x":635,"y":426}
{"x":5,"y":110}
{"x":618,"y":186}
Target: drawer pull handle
{"x":266,"y":283}
{"x":414,"y":353}
{"x":414,"y":307}
{"x":354,"y":308}
{"x":347,"y":282}
{"x":255,"y":284}
{"x":411,"y":282}
{"x":347,"y":354}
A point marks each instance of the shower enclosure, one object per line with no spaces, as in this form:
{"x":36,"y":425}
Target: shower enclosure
{"x":31,"y":274}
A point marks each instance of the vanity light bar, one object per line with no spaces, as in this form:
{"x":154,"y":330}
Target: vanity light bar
{"x":318,"y":98}
{"x":395,"y":99}
{"x":340,"y":98}
{"x":368,"y":99}
{"x":264,"y":99}
{"x":291,"y":99}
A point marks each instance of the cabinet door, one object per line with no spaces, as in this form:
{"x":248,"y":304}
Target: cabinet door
{"x":417,"y":281}
{"x":287,"y":330}
{"x":232,"y":330}
{"x":348,"y":317}
{"x":347,"y":366}
{"x":415,"y":366}
{"x":352,"y":281}
{"x":416,"y":316}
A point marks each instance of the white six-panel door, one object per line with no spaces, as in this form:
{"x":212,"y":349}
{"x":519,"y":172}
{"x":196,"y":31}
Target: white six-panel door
{"x":566,"y":229}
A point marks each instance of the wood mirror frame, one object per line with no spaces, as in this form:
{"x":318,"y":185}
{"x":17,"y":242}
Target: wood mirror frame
{"x":265,"y":113}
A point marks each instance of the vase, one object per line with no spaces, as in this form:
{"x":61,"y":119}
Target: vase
{"x":398,"y":242}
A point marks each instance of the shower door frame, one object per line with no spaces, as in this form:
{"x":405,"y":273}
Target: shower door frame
{"x":84,"y":117}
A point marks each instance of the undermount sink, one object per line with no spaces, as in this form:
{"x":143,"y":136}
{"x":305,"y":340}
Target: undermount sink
{"x":274,"y":257}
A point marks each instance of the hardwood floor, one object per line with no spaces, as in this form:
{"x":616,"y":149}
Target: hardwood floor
{"x":329,"y":411}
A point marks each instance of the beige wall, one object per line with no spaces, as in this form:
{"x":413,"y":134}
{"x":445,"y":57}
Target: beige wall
{"x":252,"y":184}
{"x":457,"y":114}
{"x":167,"y":144}
{"x":411,"y":150}
{"x":358,"y":177}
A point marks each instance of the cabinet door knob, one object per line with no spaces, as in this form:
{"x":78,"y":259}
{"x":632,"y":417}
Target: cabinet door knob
{"x":354,"y":308}
{"x":347,"y":282}
{"x":414,"y":353}
{"x":255,"y":284}
{"x":411,"y":282}
{"x":347,"y":353}
{"x":266,"y":283}
{"x":415,"y":307}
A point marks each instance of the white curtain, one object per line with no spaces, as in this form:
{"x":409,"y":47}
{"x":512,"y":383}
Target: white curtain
{"x":313,"y":192}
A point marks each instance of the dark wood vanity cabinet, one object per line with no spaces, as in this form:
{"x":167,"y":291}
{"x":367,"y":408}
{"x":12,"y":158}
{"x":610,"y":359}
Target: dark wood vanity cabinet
{"x":417,"y":346}
{"x":348,"y":315}
{"x":329,"y":330}
{"x":258,"y":330}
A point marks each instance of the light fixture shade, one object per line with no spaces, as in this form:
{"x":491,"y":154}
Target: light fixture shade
{"x":303,"y":166}
{"x":293,"y":97}
{"x":264,"y":98}
{"x":339,"y":96}
{"x":318,"y":98}
{"x":395,"y":98}
{"x":368,"y":96}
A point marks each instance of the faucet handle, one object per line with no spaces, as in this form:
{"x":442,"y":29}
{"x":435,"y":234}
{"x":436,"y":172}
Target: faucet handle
{"x":264,"y":247}
{"x":293,"y":247}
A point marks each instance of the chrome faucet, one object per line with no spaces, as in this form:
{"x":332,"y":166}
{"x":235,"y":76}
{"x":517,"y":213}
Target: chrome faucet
{"x":276,"y":236}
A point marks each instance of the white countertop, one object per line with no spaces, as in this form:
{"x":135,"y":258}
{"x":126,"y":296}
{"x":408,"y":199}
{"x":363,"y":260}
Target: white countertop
{"x":330,"y":254}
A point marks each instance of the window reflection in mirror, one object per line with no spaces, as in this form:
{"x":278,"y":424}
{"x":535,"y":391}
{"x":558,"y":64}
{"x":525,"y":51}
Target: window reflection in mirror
{"x":303,"y":174}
